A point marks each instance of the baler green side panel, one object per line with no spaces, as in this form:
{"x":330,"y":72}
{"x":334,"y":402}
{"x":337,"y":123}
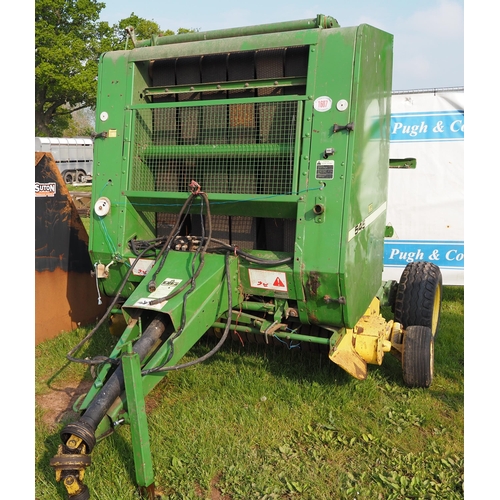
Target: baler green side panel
{"x":109,"y":235}
{"x":319,"y":220}
{"x":366,"y":186}
{"x":108,"y":152}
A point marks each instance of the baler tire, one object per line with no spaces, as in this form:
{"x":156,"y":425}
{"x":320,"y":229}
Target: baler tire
{"x":419,"y":296}
{"x":418,"y":356}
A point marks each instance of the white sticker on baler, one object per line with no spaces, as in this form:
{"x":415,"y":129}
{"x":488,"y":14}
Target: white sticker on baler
{"x":323,"y":103}
{"x":268,"y":280}
{"x":142,"y":266}
{"x":162,"y":290}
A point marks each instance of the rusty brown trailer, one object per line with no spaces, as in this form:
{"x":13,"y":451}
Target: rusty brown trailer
{"x":65,"y":291}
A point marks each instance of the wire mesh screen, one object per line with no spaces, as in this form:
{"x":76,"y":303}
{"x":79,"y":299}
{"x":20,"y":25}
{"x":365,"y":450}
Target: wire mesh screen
{"x":227,"y":148}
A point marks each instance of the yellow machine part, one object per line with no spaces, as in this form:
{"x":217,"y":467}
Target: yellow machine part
{"x":366,"y":343}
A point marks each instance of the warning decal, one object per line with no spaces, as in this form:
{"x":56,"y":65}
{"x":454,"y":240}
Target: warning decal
{"x":162,"y":290}
{"x":142,"y":267}
{"x":269,"y":280}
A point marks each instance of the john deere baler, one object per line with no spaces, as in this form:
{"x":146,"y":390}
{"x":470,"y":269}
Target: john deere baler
{"x":240,"y":186}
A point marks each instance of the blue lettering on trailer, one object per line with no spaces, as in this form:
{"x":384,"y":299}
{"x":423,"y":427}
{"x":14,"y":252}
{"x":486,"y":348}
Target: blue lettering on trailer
{"x":445,"y":254}
{"x":428,"y":126}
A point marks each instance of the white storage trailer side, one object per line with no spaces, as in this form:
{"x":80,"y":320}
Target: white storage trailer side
{"x":74,"y":156}
{"x":425,"y":205}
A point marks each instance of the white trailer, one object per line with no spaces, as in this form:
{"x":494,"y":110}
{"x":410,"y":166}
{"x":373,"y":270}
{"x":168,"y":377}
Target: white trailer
{"x":426,"y":204}
{"x":74,"y":156}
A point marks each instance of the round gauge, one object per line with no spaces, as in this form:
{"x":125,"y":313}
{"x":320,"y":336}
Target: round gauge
{"x":103,"y":116}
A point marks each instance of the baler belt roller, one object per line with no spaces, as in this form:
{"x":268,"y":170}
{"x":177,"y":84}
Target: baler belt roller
{"x":320,"y":21}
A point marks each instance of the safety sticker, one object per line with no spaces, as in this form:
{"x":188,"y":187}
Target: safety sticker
{"x":324,"y":169}
{"x":323,"y":103}
{"x":269,"y":280}
{"x":166,"y":287}
{"x":142,"y":267}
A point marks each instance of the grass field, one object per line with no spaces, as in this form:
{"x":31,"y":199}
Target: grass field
{"x":271,"y":423}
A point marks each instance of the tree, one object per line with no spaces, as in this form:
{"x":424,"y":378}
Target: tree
{"x":143,"y":29}
{"x":69,"y":38}
{"x":68,"y":41}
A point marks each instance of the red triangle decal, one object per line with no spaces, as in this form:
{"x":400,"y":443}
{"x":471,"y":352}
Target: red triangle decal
{"x":278,"y":282}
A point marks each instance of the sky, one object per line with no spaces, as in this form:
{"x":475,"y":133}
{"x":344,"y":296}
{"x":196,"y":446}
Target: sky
{"x":428,"y":34}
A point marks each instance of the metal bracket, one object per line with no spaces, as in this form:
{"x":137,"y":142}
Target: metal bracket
{"x":349,"y":127}
{"x":131,"y":366}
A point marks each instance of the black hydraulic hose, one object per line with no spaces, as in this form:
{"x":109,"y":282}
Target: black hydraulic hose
{"x":137,"y":246}
{"x":201,"y":252}
{"x":219,"y":344}
{"x":173,"y":233}
{"x":102,"y":359}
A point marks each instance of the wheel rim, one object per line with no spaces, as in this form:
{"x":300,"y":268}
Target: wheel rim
{"x":431,"y":357}
{"x":436,"y":310}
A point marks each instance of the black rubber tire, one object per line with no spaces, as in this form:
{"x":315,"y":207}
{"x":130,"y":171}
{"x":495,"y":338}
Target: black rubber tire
{"x":418,"y":356}
{"x":80,"y":176}
{"x":69,"y":176}
{"x":419,"y":296}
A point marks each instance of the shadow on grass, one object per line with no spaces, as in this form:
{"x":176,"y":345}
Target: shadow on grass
{"x":297,"y":363}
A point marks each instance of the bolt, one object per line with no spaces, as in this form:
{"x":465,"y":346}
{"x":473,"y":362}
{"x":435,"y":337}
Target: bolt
{"x":69,"y":480}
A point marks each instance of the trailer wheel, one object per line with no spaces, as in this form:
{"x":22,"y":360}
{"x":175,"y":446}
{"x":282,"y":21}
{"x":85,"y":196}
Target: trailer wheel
{"x":81,"y":176}
{"x":418,"y":356}
{"x":419,"y":296}
{"x":69,"y":176}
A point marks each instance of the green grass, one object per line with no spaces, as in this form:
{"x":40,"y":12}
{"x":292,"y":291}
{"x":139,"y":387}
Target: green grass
{"x":85,"y":189}
{"x":269,"y":423}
